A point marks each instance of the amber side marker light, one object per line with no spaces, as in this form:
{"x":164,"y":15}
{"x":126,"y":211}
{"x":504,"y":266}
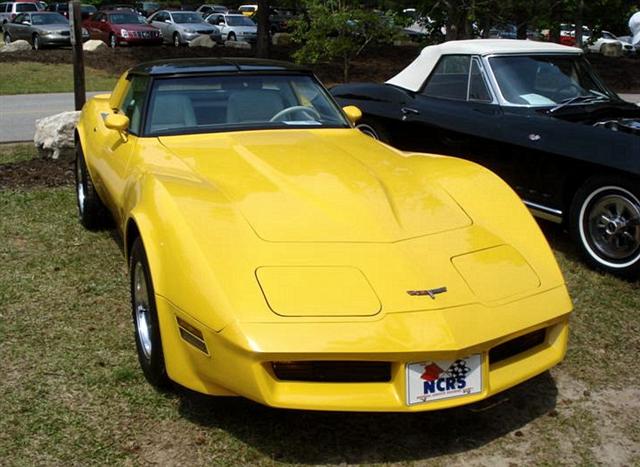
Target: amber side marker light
{"x":192,"y":335}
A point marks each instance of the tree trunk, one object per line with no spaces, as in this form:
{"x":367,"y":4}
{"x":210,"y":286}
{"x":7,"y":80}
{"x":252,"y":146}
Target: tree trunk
{"x":521,"y":32}
{"x":346,"y":65}
{"x":264,"y":39}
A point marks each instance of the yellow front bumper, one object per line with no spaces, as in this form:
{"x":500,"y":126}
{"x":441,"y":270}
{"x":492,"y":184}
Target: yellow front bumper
{"x":238,"y":359}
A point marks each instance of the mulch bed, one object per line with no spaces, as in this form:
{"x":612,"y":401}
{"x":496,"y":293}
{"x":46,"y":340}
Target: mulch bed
{"x":36,"y":173}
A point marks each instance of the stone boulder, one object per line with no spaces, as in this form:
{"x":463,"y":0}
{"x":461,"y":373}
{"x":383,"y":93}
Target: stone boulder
{"x":611,"y":50}
{"x":238,"y":45}
{"x":93,"y":45}
{"x":55,"y":135}
{"x":281,"y":38}
{"x":203,"y":41}
{"x":17,"y":46}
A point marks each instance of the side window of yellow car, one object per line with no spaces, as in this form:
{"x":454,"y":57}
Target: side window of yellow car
{"x":133,"y":102}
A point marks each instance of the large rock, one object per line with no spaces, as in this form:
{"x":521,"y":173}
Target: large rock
{"x":202,"y":41}
{"x":17,"y":46}
{"x":611,"y":50}
{"x":93,"y":45}
{"x":238,"y":45}
{"x":281,"y":38}
{"x":55,"y":135}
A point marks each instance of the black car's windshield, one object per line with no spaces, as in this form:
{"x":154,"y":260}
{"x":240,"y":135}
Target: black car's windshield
{"x":184,"y":18}
{"x":224,"y":103}
{"x":546,"y":80}
{"x":239,"y":20}
{"x":125,"y":18}
{"x":54,"y":18}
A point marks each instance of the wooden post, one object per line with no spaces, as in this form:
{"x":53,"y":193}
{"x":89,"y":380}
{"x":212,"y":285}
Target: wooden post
{"x":75,"y":24}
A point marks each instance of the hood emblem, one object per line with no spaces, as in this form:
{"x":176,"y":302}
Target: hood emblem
{"x":430,"y":292}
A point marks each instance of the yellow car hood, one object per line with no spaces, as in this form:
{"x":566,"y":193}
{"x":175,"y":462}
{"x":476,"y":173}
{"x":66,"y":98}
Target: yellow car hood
{"x":319,"y":185}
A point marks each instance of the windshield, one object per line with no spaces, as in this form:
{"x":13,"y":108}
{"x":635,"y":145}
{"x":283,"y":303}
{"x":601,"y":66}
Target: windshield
{"x":20,"y":7}
{"x":55,"y":18}
{"x":239,"y":21}
{"x":125,"y":18}
{"x":225,"y":103}
{"x":183,"y":18}
{"x":544,"y":80}
{"x":88,"y":9}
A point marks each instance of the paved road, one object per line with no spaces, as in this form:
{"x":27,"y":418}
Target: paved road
{"x":18,"y":114}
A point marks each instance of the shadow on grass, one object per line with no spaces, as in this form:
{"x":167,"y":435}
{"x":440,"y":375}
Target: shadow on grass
{"x":332,"y":437}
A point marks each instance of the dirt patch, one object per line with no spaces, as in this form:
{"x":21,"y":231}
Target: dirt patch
{"x":376,"y":64}
{"x":36,"y":173}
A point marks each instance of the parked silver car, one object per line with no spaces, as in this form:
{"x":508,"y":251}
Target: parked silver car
{"x":41,"y":29}
{"x":234,"y":27}
{"x":206,"y":10}
{"x":181,"y":27}
{"x":9,"y":10}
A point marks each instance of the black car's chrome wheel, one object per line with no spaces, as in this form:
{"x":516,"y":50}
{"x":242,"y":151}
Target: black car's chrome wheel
{"x":368,"y":130}
{"x":375,"y":129}
{"x":605,"y":217}
{"x":145,"y":318}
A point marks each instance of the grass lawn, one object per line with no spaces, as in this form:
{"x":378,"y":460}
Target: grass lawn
{"x":45,"y":78}
{"x":71,"y":391}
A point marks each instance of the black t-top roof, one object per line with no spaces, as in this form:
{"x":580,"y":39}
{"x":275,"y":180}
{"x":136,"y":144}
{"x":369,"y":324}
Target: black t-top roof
{"x":213,"y":65}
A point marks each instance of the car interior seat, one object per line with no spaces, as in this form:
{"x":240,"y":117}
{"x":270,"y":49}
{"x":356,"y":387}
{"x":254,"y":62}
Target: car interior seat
{"x":253,"y":105}
{"x":171,"y":111}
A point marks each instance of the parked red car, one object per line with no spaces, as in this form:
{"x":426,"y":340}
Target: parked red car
{"x":121,"y":28}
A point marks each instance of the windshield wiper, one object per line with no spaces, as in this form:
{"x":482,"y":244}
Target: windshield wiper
{"x":584,"y":99}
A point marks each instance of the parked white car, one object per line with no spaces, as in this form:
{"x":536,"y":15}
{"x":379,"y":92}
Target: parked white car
{"x":234,"y":27}
{"x":608,"y":40}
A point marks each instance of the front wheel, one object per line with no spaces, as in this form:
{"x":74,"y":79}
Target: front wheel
{"x":7,"y":38}
{"x":176,"y":40}
{"x":92,"y":212}
{"x":145,"y":318}
{"x":605,"y":221}
{"x":231,"y":37}
{"x":113,"y":41}
{"x":37,"y":45}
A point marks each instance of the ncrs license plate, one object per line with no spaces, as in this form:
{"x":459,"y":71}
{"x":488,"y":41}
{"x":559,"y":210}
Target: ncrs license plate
{"x":434,"y":380}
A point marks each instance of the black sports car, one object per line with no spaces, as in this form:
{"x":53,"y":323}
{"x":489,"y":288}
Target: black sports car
{"x":537,"y":115}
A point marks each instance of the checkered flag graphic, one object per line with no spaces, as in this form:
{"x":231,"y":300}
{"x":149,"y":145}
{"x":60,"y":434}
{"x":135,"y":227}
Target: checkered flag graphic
{"x":458,"y":369}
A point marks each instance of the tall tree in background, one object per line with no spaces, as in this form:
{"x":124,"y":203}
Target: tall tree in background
{"x":264,"y":40}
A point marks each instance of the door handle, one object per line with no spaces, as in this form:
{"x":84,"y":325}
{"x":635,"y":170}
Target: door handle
{"x":406,"y":111}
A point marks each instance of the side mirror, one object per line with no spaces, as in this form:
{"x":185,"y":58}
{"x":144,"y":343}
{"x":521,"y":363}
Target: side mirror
{"x":168,"y":21}
{"x":26,"y":22}
{"x":221,"y":22}
{"x":116,"y":122}
{"x":353,"y":113}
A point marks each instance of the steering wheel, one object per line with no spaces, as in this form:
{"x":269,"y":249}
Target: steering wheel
{"x":296,"y":108}
{"x":564,"y":90}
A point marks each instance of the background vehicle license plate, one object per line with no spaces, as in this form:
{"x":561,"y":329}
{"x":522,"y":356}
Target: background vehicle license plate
{"x":443,"y":379}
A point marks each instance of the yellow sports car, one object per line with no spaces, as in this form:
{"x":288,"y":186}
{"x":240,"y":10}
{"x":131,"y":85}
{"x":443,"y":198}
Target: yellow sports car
{"x":277,"y":253}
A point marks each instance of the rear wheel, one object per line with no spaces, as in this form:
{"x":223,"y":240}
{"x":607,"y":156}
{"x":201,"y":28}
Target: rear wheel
{"x":605,"y":221}
{"x":373,"y":128}
{"x":92,"y":212}
{"x":145,"y":318}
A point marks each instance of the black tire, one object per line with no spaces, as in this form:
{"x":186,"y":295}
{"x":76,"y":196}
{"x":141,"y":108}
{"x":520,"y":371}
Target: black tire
{"x":176,"y":40}
{"x":145,"y":318}
{"x":374,"y":128}
{"x":92,"y":212}
{"x":604,"y":220}
{"x":113,"y":42}
{"x":7,"y":38}
{"x":36,"y":42}
{"x":231,"y":36}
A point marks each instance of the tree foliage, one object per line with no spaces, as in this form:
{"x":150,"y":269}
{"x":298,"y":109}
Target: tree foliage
{"x":340,"y":30}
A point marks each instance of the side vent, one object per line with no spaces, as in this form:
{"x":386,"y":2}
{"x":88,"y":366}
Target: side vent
{"x":192,"y":335}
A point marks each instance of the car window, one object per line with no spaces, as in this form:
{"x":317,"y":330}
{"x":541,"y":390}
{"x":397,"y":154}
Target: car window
{"x":450,"y":78}
{"x":133,"y":102}
{"x":239,"y":21}
{"x":124,"y":18}
{"x":186,"y":17}
{"x":223,"y":103}
{"x":51,"y":18}
{"x":478,"y":90}
{"x":26,"y":7}
{"x":3,"y":7}
{"x":19,"y":18}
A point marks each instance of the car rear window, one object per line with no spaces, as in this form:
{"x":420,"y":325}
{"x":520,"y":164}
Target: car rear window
{"x":20,"y":7}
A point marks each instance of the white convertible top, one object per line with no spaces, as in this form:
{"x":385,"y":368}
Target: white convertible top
{"x":412,"y":77}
